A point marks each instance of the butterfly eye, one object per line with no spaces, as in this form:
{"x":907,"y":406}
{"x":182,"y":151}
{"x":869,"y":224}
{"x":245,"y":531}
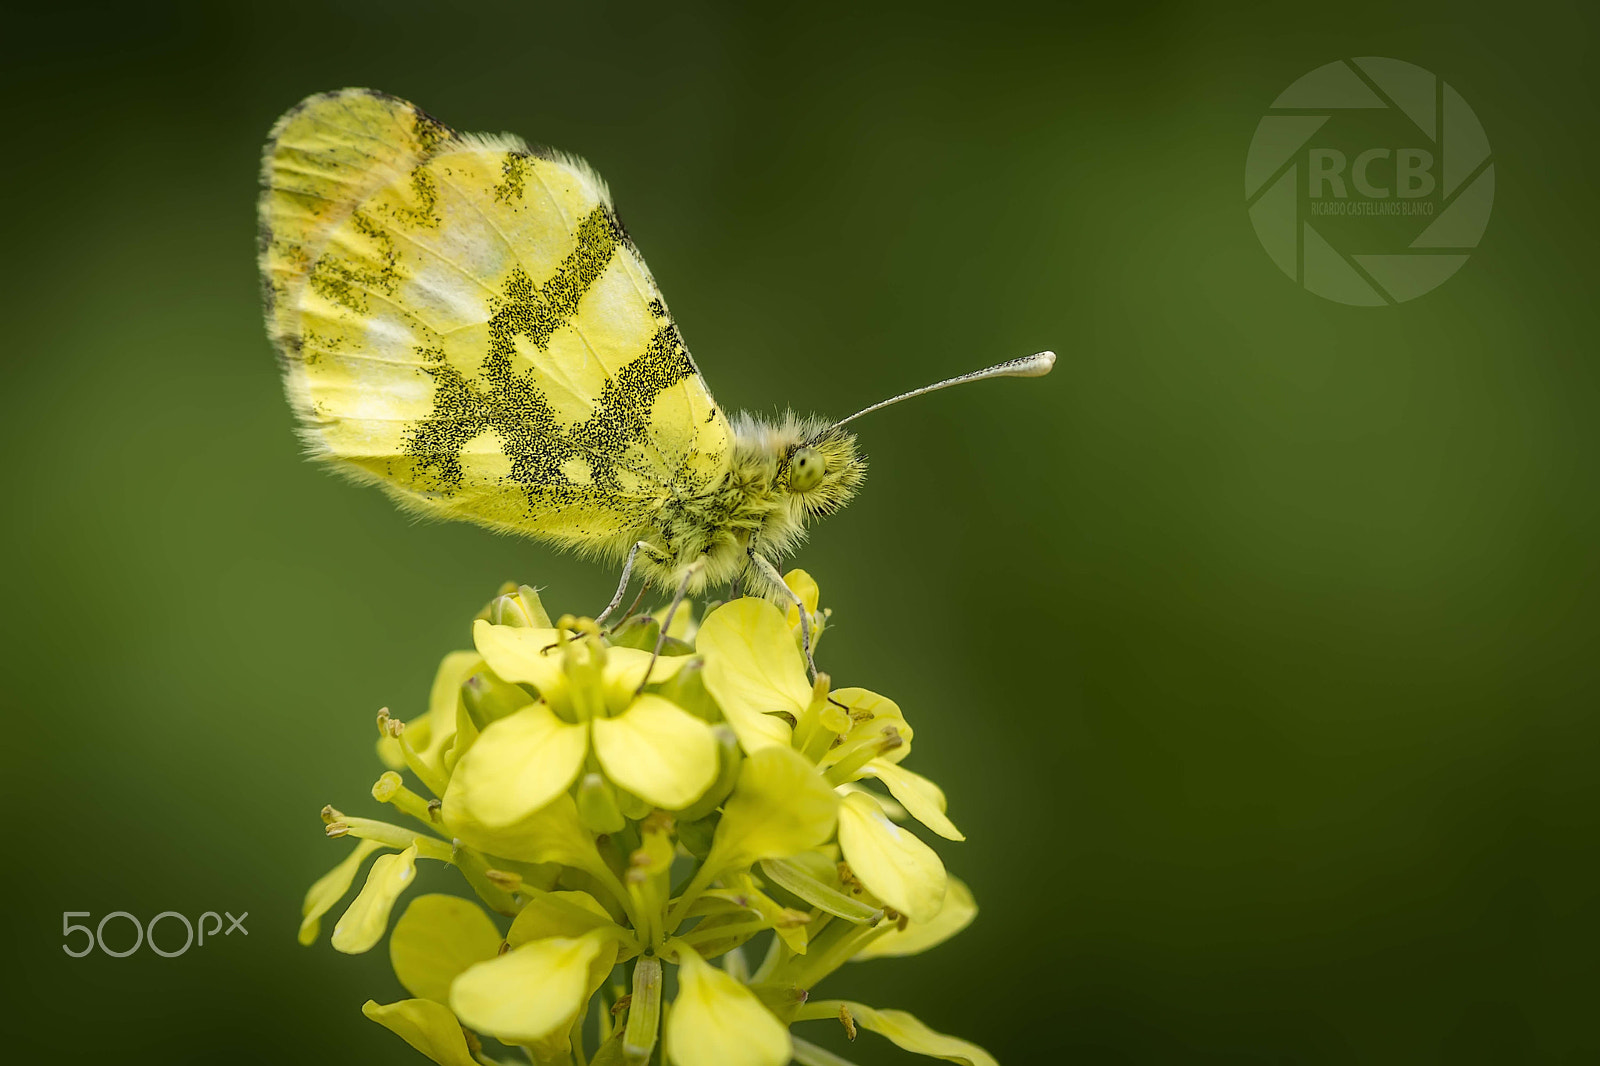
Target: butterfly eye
{"x":805,"y":470}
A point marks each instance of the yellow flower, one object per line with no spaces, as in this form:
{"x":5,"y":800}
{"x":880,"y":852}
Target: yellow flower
{"x":330,"y":888}
{"x":754,"y":672}
{"x":916,"y":937}
{"x":426,"y":1026}
{"x":757,"y":677}
{"x":590,"y":701}
{"x":533,"y":992}
{"x":781,"y":806}
{"x":363,"y":924}
{"x":621,"y":815}
{"x":805,"y":587}
{"x":716,"y":1021}
{"x":448,"y":951}
{"x":437,"y":939}
{"x":899,"y":869}
{"x":901,"y":1028}
{"x":465,"y":696}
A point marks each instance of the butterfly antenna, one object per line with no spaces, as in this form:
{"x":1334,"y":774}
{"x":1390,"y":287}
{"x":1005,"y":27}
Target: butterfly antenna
{"x":1029,"y":366}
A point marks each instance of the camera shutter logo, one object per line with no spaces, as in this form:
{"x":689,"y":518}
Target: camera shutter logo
{"x":1424,"y":204}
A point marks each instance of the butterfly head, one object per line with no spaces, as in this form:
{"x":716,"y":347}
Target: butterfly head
{"x":795,"y":469}
{"x":822,"y":470}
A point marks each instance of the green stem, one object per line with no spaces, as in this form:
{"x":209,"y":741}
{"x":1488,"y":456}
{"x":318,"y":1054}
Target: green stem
{"x":828,"y":953}
{"x":393,"y":836}
{"x":778,"y":953}
{"x":613,"y":884}
{"x":691,"y":892}
{"x":472,"y":865}
{"x":431,"y":779}
{"x":701,"y":935}
{"x":818,"y":1009}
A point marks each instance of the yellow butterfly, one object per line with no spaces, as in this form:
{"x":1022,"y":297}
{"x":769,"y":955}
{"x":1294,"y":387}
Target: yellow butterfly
{"x":463,"y":321}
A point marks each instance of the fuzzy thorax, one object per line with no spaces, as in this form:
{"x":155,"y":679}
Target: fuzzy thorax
{"x":761,"y":505}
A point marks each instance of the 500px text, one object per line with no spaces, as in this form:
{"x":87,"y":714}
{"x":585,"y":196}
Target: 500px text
{"x":146,"y":934}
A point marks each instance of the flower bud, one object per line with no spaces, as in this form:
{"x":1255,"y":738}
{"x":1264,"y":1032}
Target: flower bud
{"x":488,"y":698}
{"x":597,"y":805}
{"x":696,"y":837}
{"x":517,"y":605}
{"x":687,"y":689}
{"x":642,"y":632}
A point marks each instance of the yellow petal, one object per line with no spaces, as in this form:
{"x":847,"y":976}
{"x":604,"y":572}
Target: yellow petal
{"x":884,"y":711}
{"x":890,"y":806}
{"x":435,"y":939}
{"x":366,"y":918}
{"x":518,"y":765}
{"x":895,"y":866}
{"x":454,"y":668}
{"x":922,"y":799}
{"x":682,"y":627}
{"x":330,"y":889}
{"x":754,"y":730}
{"x":557,"y":914}
{"x":780,"y":806}
{"x":441,"y":718}
{"x":803,"y":585}
{"x":716,"y":1021}
{"x":625,"y":667}
{"x":551,"y":834}
{"x":754,"y":671}
{"x":390,"y":753}
{"x":957,"y":913}
{"x":658,"y":751}
{"x":522,"y":656}
{"x":905,"y":1030}
{"x":426,"y":1026}
{"x":531,"y":992}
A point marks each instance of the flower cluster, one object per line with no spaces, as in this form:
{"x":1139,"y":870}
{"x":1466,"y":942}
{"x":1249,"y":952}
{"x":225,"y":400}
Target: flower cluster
{"x":634,"y":804}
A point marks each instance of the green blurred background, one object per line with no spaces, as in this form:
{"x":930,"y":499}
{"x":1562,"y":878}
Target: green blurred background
{"x":1255,"y":647}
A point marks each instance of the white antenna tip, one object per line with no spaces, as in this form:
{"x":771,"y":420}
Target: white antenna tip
{"x":1036,"y":366}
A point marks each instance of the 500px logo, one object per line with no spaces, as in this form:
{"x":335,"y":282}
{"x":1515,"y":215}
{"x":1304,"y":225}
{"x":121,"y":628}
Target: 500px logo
{"x":1369,"y":181}
{"x":146,"y":934}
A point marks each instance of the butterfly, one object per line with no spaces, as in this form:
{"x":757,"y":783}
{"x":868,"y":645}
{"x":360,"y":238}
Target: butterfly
{"x":464,"y":321}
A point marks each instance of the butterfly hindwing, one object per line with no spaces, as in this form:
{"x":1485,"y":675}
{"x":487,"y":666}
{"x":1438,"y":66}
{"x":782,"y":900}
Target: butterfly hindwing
{"x":464,"y":321}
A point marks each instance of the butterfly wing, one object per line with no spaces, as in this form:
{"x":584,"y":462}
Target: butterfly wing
{"x":463,"y":321}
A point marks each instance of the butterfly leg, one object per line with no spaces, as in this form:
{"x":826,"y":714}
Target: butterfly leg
{"x":622,"y":586}
{"x":677,"y":600}
{"x":771,"y":573}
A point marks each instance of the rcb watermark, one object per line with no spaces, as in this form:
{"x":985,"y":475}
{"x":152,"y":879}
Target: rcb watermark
{"x":1369,"y":181}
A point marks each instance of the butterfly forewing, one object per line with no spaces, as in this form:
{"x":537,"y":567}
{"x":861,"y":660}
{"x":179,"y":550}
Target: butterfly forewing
{"x":465,"y":322}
